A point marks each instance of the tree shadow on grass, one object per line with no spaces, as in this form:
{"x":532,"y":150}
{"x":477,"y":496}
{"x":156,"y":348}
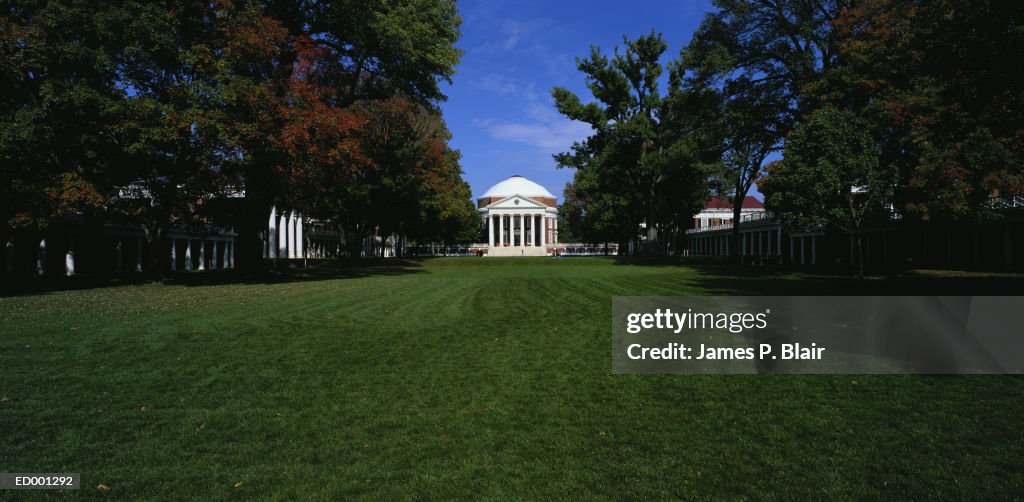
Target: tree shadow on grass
{"x":279,"y":273}
{"x":784,"y":281}
{"x":720,"y":277}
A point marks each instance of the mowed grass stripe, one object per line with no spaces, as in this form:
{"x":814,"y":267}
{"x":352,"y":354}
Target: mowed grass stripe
{"x":460,"y":378}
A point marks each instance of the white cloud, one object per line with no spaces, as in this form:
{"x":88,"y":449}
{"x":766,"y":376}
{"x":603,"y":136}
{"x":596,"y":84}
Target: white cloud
{"x":508,"y":35}
{"x":513,"y":31}
{"x":504,"y":86}
{"x":552,"y":134}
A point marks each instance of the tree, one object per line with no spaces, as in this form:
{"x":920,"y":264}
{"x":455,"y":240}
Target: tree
{"x":782,"y":45}
{"x":640,"y":145}
{"x":590,"y":213}
{"x":57,"y":69}
{"x":760,"y":55}
{"x":939,"y":83}
{"x":830,"y":175}
{"x":378,"y":166}
{"x":154,"y":110}
{"x":752,"y":119}
{"x":342,"y":53}
{"x":172,"y":126}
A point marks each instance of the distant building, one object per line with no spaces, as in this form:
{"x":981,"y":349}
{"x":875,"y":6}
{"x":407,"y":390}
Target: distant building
{"x":718,"y":211}
{"x":891,"y":245}
{"x":520,"y":218}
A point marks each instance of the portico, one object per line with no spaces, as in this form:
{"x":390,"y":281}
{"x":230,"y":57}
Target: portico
{"x":520,"y":218}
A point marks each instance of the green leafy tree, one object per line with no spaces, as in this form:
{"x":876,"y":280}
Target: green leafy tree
{"x":760,"y":55}
{"x":639,"y":152}
{"x":830,"y":175}
{"x":172,"y":126}
{"x":940,"y":83}
{"x":58,"y":75}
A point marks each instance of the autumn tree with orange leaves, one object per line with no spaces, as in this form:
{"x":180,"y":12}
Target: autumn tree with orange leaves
{"x":152,"y":112}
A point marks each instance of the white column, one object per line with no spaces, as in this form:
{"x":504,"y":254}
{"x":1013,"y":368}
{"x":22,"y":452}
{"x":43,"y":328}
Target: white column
{"x":543,"y":231}
{"x":535,"y":221}
{"x":272,"y":234}
{"x":231,"y":254}
{"x":530,"y":219}
{"x":291,"y":234}
{"x":300,"y":244}
{"x":802,"y":246}
{"x":41,"y":258}
{"x":501,"y":230}
{"x":282,"y":237}
{"x":522,"y":230}
{"x":554,"y":223}
{"x":778,"y":241}
{"x":188,"y":254}
{"x":213,"y":254}
{"x":295,"y":235}
{"x":202,"y":254}
{"x":69,"y":258}
{"x":490,"y":230}
{"x":138,"y":255}
{"x":174,"y":254}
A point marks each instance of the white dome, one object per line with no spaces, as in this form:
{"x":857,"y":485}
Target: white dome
{"x":517,"y":185}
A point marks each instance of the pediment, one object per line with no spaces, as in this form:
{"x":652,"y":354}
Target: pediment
{"x":516,"y":202}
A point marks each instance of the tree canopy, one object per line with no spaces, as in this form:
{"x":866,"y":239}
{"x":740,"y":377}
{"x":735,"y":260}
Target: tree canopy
{"x":645,"y":163}
{"x":148,"y":111}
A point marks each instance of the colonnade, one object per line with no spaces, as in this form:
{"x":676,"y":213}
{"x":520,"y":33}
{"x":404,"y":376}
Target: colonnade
{"x":284,"y":232}
{"x":761,"y":242}
{"x":800,"y":241}
{"x":324,"y":248}
{"x":521,"y":229}
{"x":203,"y":254}
{"x":129,"y":254}
{"x":767,"y":241}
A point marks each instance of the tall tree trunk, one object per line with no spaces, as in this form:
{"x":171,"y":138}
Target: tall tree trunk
{"x":154,"y":231}
{"x":860,"y":254}
{"x":252,"y":223}
{"x":156,"y":254}
{"x":737,"y":212}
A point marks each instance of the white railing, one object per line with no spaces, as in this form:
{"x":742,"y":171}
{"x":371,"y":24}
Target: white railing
{"x":1010,"y":202}
{"x":760,"y":216}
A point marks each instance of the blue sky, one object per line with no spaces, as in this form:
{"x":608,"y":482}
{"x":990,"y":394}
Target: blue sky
{"x":499,"y":106}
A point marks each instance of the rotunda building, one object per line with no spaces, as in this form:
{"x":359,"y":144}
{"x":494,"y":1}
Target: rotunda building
{"x":520,"y":218}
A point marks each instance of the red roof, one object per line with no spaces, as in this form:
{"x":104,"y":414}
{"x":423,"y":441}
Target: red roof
{"x":749,"y":202}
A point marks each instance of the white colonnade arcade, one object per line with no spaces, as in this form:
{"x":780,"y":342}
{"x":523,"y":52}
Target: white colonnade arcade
{"x":527,"y":232}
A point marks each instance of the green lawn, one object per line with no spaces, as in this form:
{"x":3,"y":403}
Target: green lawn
{"x":468,"y":378}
